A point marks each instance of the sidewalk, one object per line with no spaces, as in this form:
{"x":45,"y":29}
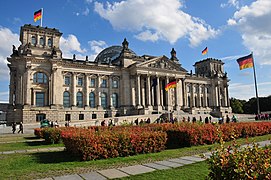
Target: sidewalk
{"x":130,"y":170}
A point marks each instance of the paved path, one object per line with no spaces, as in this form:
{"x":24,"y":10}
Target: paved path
{"x":127,"y":171}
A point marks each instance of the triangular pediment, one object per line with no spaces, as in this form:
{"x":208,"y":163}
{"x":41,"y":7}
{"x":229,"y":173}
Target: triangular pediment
{"x":161,"y":62}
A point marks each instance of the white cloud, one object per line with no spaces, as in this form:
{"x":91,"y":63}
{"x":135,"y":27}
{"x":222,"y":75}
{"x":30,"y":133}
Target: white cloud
{"x":7,"y":39}
{"x":88,"y":1}
{"x":254,"y":23}
{"x":155,"y":20}
{"x":86,"y":12}
{"x":96,"y":47}
{"x":70,"y":46}
{"x":231,"y":3}
{"x":236,"y":88}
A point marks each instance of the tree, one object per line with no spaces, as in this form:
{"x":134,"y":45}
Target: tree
{"x":237,"y":105}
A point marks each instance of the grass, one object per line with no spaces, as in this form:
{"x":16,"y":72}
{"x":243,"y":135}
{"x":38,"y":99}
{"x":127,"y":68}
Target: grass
{"x":15,"y":137}
{"x":48,"y":164}
{"x":27,"y":145}
{"x":192,"y":171}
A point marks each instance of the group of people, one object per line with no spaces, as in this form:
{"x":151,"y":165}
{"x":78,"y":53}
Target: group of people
{"x":21,"y":128}
{"x":263,"y":116}
{"x":141,"y":122}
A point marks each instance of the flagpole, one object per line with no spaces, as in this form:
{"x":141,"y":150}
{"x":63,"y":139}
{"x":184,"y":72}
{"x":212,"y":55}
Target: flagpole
{"x":256,"y":90}
{"x":41,"y":17}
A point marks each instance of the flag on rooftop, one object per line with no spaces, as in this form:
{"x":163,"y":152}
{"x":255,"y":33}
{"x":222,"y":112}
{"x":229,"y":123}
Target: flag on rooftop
{"x":204,"y":51}
{"x":38,"y":15}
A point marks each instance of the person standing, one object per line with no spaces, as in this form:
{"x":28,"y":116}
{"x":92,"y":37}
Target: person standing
{"x":21,"y":128}
{"x":13,"y":127}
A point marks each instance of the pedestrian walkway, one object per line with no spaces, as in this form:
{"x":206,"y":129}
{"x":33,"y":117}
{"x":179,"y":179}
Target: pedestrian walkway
{"x":130,"y":170}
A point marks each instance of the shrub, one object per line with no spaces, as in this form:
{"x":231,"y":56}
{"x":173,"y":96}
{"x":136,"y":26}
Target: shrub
{"x":38,"y":133}
{"x":51,"y":135}
{"x":95,"y":143}
{"x":233,"y":162}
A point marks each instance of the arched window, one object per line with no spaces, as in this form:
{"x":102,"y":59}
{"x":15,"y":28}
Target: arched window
{"x":104,"y":100}
{"x":42,"y":41}
{"x":201,"y":101}
{"x":50,"y":42}
{"x":79,"y":99}
{"x":34,"y":40}
{"x":115,"y":100}
{"x":196,"y":102}
{"x":66,"y":99}
{"x":92,"y":100}
{"x":40,"y":78}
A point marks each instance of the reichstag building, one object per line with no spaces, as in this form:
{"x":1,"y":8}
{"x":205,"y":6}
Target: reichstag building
{"x":118,"y":82}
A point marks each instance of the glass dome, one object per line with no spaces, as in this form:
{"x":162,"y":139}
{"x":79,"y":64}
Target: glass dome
{"x":110,"y":54}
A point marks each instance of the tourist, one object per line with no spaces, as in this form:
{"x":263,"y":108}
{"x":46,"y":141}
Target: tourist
{"x":141,"y":122}
{"x":227,"y":119}
{"x":148,"y":121}
{"x":103,"y":123}
{"x":136,"y":121}
{"x":194,"y":119}
{"x":183,"y":119}
{"x":200,"y":119}
{"x":206,"y":120}
{"x":21,"y":128}
{"x":188,"y":119}
{"x":13,"y":127}
{"x":56,"y":124}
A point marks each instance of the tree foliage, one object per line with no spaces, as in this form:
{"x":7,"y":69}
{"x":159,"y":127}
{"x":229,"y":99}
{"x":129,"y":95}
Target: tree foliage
{"x":250,"y":106}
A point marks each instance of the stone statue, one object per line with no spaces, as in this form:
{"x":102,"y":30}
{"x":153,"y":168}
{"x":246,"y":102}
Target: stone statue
{"x":86,"y":58}
{"x":14,"y":51}
{"x":54,"y":51}
{"x":73,"y":57}
{"x":125,"y":44}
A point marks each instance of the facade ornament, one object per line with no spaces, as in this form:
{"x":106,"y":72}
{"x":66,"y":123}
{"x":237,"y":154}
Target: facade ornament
{"x":125,"y":44}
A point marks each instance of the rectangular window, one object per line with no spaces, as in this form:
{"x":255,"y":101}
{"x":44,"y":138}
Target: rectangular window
{"x":94,"y":116}
{"x":40,"y":99}
{"x":67,"y":80}
{"x":115,"y":83}
{"x":80,"y":81}
{"x":81,"y":116}
{"x":92,"y":82}
{"x":67,"y":117}
{"x":104,"y":83}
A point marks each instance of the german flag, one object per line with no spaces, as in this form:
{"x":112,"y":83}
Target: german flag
{"x":204,"y":51}
{"x":37,"y":15}
{"x":245,"y":62}
{"x":171,"y":85}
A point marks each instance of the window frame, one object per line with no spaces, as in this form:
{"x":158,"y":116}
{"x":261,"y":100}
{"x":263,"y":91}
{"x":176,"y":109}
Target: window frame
{"x":66,"y":102}
{"x":39,"y":102}
{"x":92,"y":100}
{"x":79,"y":99}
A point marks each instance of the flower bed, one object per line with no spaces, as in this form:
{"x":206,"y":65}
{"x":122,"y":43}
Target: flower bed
{"x":107,"y":143}
{"x":97,"y":142}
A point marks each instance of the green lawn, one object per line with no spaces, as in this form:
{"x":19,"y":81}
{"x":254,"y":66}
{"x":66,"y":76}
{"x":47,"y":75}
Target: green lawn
{"x":48,"y":164}
{"x":26,"y":145}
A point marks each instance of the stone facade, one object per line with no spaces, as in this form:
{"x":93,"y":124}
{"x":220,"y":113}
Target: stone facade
{"x":117,"y":83}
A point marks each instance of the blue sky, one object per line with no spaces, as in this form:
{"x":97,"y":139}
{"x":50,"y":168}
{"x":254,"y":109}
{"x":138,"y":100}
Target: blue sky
{"x":229,"y":28}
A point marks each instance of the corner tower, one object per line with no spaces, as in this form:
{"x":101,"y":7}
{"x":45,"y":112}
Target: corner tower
{"x":40,"y":41}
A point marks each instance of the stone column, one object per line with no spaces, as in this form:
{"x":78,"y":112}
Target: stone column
{"x":87,"y":90}
{"x":227,"y":103}
{"x":162,"y":95}
{"x":192,"y":98}
{"x":158,"y":94}
{"x":148,"y":91}
{"x":27,"y":84}
{"x":98,"y":90}
{"x":133,"y":94}
{"x":74,"y":89}
{"x":152,"y":93}
{"x":110,"y":80}
{"x":138,"y":89}
{"x":168,"y":95}
{"x":142,"y":93}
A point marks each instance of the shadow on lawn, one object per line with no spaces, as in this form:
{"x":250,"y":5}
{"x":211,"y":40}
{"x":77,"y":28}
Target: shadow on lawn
{"x":55,"y":157}
{"x":31,"y":137}
{"x":36,"y":143}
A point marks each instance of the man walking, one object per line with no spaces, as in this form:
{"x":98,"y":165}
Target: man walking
{"x":21,"y":128}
